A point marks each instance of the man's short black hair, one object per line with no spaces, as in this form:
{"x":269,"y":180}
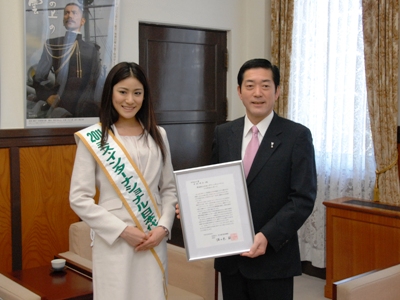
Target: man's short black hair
{"x":259,"y":63}
{"x":76,"y":4}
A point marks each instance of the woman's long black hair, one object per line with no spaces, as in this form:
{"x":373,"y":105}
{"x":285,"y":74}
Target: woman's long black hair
{"x":108,"y":114}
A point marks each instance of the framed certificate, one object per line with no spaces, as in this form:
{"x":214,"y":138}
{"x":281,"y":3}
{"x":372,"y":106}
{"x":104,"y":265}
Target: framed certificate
{"x":214,"y":210}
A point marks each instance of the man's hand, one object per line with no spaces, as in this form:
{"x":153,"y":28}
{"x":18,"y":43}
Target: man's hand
{"x":53,"y":100}
{"x":259,"y":246}
{"x":154,"y":238}
{"x":133,"y":236}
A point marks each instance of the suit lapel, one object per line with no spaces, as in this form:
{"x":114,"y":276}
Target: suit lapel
{"x":235,"y":140}
{"x":270,"y":143}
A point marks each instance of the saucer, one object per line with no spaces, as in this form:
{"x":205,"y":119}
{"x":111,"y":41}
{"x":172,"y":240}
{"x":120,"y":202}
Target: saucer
{"x":58,"y":269}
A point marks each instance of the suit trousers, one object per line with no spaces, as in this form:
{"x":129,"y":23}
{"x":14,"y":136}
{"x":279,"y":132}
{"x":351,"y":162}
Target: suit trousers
{"x":237,"y":287}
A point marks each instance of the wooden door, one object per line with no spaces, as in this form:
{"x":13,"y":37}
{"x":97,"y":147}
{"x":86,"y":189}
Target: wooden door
{"x":186,"y":68}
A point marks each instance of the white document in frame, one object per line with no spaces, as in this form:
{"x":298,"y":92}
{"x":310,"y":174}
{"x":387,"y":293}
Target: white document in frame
{"x":216,"y":219}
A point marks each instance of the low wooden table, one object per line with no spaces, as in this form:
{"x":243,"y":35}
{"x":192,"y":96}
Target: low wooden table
{"x":50,"y":285}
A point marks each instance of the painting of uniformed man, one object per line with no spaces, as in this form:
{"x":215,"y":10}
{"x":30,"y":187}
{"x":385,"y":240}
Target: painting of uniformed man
{"x":69,"y":50}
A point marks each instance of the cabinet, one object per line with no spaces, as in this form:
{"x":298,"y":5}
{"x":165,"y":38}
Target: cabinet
{"x":361,"y":236}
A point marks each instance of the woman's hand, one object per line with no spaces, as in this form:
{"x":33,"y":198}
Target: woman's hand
{"x":133,"y":236}
{"x":154,"y":238}
{"x":177,"y":211}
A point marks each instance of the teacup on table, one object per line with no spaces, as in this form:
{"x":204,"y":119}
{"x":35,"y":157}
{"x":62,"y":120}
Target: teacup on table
{"x":58,"y":264}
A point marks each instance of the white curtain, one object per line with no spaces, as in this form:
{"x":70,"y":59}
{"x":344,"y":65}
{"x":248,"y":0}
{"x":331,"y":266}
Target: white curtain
{"x":328,"y":95}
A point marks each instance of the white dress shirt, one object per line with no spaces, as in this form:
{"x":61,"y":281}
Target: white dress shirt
{"x":262,"y":127}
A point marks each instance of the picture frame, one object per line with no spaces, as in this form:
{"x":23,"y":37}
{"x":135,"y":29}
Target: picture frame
{"x":214,"y":210}
{"x":55,"y":96}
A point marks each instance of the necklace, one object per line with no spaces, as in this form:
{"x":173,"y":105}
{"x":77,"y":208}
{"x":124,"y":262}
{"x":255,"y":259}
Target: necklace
{"x":67,"y":50}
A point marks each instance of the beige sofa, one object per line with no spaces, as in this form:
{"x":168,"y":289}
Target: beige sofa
{"x":10,"y":290}
{"x":186,"y":280}
{"x":381,"y":284}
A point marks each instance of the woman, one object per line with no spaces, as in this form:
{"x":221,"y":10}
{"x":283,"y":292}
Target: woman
{"x":127,"y":159}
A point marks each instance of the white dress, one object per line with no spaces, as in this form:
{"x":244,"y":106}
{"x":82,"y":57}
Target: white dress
{"x":119,"y":272}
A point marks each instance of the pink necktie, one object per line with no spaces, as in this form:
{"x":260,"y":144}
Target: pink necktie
{"x":251,"y":151}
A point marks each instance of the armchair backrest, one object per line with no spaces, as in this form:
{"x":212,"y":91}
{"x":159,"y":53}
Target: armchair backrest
{"x":79,"y":240}
{"x":381,"y":284}
{"x":10,"y":290}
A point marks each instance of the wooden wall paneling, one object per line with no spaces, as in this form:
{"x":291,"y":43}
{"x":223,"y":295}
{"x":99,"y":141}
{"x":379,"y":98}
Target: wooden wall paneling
{"x":15,"y":209}
{"x":5,"y":212}
{"x":45,"y":211}
{"x":37,"y":137}
{"x":49,"y":231}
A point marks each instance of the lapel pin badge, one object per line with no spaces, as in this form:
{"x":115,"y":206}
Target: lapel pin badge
{"x":272,"y":144}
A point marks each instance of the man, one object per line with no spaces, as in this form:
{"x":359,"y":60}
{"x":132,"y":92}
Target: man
{"x":281,"y":185}
{"x":76,"y":66}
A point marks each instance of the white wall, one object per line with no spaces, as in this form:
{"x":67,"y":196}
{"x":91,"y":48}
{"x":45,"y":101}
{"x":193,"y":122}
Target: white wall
{"x":12,"y":80}
{"x":247,"y":23}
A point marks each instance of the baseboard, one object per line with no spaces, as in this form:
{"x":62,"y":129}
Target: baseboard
{"x":309,"y":269}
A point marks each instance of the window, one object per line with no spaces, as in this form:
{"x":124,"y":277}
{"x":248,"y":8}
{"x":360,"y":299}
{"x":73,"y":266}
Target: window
{"x":328,"y":95}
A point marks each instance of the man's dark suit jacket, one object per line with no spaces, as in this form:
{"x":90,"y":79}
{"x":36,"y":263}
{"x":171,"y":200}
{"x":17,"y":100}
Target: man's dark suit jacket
{"x":282,"y":189}
{"x":78,"y":94}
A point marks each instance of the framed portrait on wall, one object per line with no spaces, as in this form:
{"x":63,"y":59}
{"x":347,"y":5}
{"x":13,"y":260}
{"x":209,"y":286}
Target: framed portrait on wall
{"x":70,"y":45}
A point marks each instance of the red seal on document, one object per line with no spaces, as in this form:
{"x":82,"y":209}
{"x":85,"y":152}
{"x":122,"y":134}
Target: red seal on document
{"x":234,"y":236}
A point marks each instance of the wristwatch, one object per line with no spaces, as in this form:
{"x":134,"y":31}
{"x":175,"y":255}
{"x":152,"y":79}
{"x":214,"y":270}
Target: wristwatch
{"x":165,"y":229}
